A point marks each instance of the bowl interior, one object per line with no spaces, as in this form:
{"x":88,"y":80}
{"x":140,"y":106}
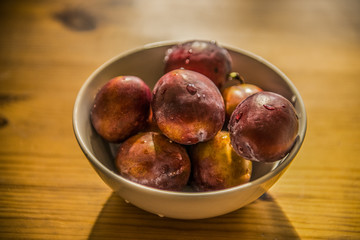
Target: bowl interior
{"x":147,"y":63}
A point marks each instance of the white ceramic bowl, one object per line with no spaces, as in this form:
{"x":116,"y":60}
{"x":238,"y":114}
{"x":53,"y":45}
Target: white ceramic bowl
{"x":147,"y":63}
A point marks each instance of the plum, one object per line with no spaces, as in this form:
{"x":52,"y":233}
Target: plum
{"x":263,"y":127}
{"x":121,"y":108}
{"x":216,"y":166}
{"x":187,"y":107}
{"x":151,"y":159}
{"x":235,"y":94}
{"x":205,"y":57}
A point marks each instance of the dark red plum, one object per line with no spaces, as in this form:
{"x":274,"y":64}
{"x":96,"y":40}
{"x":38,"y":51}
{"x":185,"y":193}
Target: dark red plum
{"x":121,"y":108}
{"x":187,"y":107}
{"x":205,"y":57}
{"x":263,"y":127}
{"x":151,"y":159}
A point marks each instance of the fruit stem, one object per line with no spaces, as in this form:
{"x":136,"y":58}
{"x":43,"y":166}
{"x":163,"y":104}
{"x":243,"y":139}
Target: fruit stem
{"x":236,"y":76}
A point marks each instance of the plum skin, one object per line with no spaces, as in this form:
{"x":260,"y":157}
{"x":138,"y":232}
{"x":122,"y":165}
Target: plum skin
{"x":233,"y":95}
{"x":151,"y":159}
{"x":263,"y":127}
{"x":121,"y":108}
{"x":216,"y":166}
{"x":187,"y":107}
{"x":205,"y":57}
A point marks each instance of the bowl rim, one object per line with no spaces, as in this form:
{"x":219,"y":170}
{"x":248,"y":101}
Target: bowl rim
{"x":279,"y":166}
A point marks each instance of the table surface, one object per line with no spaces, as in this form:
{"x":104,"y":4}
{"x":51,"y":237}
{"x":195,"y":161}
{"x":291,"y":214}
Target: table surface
{"x":48,"y":190}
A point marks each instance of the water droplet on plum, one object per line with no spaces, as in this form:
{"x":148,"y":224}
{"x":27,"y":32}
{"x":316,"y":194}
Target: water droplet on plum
{"x":269,"y":107}
{"x":238,"y":117}
{"x":169,"y":51}
{"x":191,"y":88}
{"x":201,"y":135}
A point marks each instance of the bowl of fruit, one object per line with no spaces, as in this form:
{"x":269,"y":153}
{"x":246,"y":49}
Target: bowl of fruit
{"x":191,"y":129}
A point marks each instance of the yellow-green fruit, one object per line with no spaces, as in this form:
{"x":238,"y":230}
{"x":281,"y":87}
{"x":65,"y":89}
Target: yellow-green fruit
{"x":216,"y":166}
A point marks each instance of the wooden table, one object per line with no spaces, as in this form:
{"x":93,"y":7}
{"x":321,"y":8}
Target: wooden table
{"x":48,"y":190}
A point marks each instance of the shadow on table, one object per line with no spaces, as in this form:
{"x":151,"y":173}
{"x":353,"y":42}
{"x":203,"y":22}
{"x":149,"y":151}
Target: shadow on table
{"x":263,"y":219}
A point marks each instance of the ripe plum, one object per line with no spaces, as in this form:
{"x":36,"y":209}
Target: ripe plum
{"x":235,"y":94}
{"x":205,"y":57}
{"x":263,"y":127}
{"x":121,"y":108}
{"x":151,"y":159}
{"x":187,"y":107}
{"x":216,"y":166}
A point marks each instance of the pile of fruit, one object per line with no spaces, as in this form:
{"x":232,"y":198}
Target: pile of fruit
{"x":190,"y":130}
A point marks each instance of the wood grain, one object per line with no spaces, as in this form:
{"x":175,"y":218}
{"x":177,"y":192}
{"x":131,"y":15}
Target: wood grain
{"x":47,"y":50}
